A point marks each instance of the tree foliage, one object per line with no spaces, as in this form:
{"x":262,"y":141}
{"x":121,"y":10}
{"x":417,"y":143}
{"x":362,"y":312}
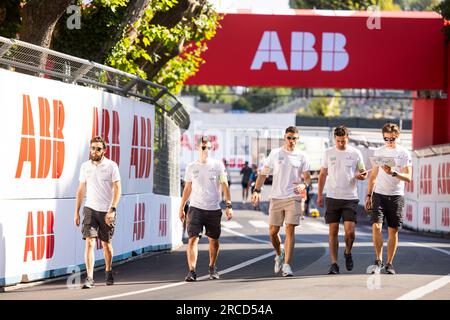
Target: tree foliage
{"x":159,"y":40}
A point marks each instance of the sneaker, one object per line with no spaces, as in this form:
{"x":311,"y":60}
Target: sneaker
{"x":89,"y":283}
{"x":286,"y":270}
{"x":109,"y":278}
{"x":375,"y":267}
{"x":348,"y":261}
{"x":213,"y":274}
{"x":334,"y":269}
{"x":389,"y":268}
{"x":279,"y":260}
{"x":191,"y":276}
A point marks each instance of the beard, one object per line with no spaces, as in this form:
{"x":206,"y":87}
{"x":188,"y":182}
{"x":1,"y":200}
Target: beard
{"x":95,"y":157}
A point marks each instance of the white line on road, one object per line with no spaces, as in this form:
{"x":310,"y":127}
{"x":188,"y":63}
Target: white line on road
{"x":231,"y":225}
{"x":228,"y":270}
{"x":426,"y":289}
{"x":430,"y":287}
{"x":259,"y":224}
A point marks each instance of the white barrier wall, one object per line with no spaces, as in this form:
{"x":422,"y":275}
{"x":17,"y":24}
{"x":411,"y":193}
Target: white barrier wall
{"x":427,"y":205}
{"x":45,"y":136}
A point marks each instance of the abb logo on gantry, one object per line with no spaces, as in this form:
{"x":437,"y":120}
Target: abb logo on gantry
{"x":41,"y":239}
{"x":48,"y":145}
{"x":303,"y":54}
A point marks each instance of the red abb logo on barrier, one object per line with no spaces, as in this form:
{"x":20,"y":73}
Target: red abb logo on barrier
{"x":236,"y":162}
{"x":445,"y":221}
{"x":409,"y":187}
{"x":444,"y":178}
{"x":409,"y":213}
{"x":42,"y":239}
{"x":50,"y":139}
{"x":425,"y":179}
{"x":426,"y":219}
{"x":113,"y":144}
{"x":303,"y":55}
{"x":141,"y":149}
{"x":163,"y":220}
{"x":139,"y":221}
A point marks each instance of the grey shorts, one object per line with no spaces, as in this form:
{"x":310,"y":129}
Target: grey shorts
{"x":338,"y":209}
{"x":197,"y":219}
{"x":94,"y":225}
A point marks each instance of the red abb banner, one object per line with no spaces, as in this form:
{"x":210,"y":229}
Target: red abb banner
{"x":400,"y":50}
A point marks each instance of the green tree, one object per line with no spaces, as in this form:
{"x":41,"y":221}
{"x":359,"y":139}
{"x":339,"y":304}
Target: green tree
{"x":160,"y":40}
{"x":324,"y":107}
{"x":256,"y":98}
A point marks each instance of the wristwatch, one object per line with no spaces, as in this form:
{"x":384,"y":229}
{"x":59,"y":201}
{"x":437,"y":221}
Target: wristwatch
{"x":229,"y":206}
{"x":113,"y":209}
{"x":368,"y":195}
{"x":257,"y":190}
{"x":394,"y":173}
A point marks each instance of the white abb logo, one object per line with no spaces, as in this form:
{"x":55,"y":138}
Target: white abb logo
{"x":303,"y":55}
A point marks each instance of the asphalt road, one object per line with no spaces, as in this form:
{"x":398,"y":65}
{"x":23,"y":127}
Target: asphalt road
{"x":246,"y":267}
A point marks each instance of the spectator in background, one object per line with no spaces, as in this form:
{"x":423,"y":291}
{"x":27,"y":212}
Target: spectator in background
{"x":246,"y":171}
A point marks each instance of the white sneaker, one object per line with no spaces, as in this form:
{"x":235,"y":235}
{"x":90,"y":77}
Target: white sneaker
{"x":279,"y":260}
{"x":287,"y":271}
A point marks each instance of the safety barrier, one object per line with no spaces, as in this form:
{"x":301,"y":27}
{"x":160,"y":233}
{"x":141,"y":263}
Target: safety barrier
{"x":52,"y":104}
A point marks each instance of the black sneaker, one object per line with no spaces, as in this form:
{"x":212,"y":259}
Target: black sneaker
{"x":109,"y":278}
{"x":89,"y":283}
{"x":348,"y":261}
{"x":389,"y":268}
{"x":334,"y":269}
{"x":191,"y":276}
{"x":213,"y":274}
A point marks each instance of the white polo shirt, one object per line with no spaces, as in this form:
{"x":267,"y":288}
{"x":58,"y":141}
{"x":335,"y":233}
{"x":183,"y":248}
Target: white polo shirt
{"x":342,"y":167}
{"x":287,"y":168}
{"x":205,"y":178}
{"x":386,"y":184}
{"x":99,"y":183}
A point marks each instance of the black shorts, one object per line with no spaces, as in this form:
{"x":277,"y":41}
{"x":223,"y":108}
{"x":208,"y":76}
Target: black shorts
{"x":340,"y":208}
{"x":389,"y":207}
{"x":94,"y":225}
{"x":210,"y":219}
{"x":245,"y":184}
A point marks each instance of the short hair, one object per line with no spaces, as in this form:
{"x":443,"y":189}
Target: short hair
{"x":291,"y":129}
{"x":341,"y":131}
{"x":203,"y":139}
{"x":98,"y":139}
{"x":391,"y":128}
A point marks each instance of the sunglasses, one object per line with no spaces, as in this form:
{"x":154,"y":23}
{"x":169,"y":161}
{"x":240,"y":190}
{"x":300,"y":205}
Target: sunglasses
{"x":292,"y":138}
{"x":389,"y":139}
{"x":205,"y":147}
{"x":96,"y":149}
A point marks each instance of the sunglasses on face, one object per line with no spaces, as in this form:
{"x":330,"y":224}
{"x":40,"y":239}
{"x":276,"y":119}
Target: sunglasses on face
{"x":205,"y":147}
{"x":96,"y":149}
{"x":389,"y":139}
{"x":292,"y":138}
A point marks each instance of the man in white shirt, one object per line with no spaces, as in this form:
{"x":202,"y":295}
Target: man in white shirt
{"x":100,"y":182}
{"x":287,"y":165}
{"x":202,"y":187}
{"x":342,"y":165}
{"x":385,"y":196}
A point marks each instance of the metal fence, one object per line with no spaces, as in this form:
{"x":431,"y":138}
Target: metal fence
{"x":171,"y":115}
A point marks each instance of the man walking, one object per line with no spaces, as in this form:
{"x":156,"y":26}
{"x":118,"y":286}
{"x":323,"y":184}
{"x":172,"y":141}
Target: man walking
{"x":385,"y":196}
{"x":246,"y":172}
{"x":342,"y":165}
{"x":100,"y":182}
{"x":287,"y":165}
{"x":202,"y":186}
